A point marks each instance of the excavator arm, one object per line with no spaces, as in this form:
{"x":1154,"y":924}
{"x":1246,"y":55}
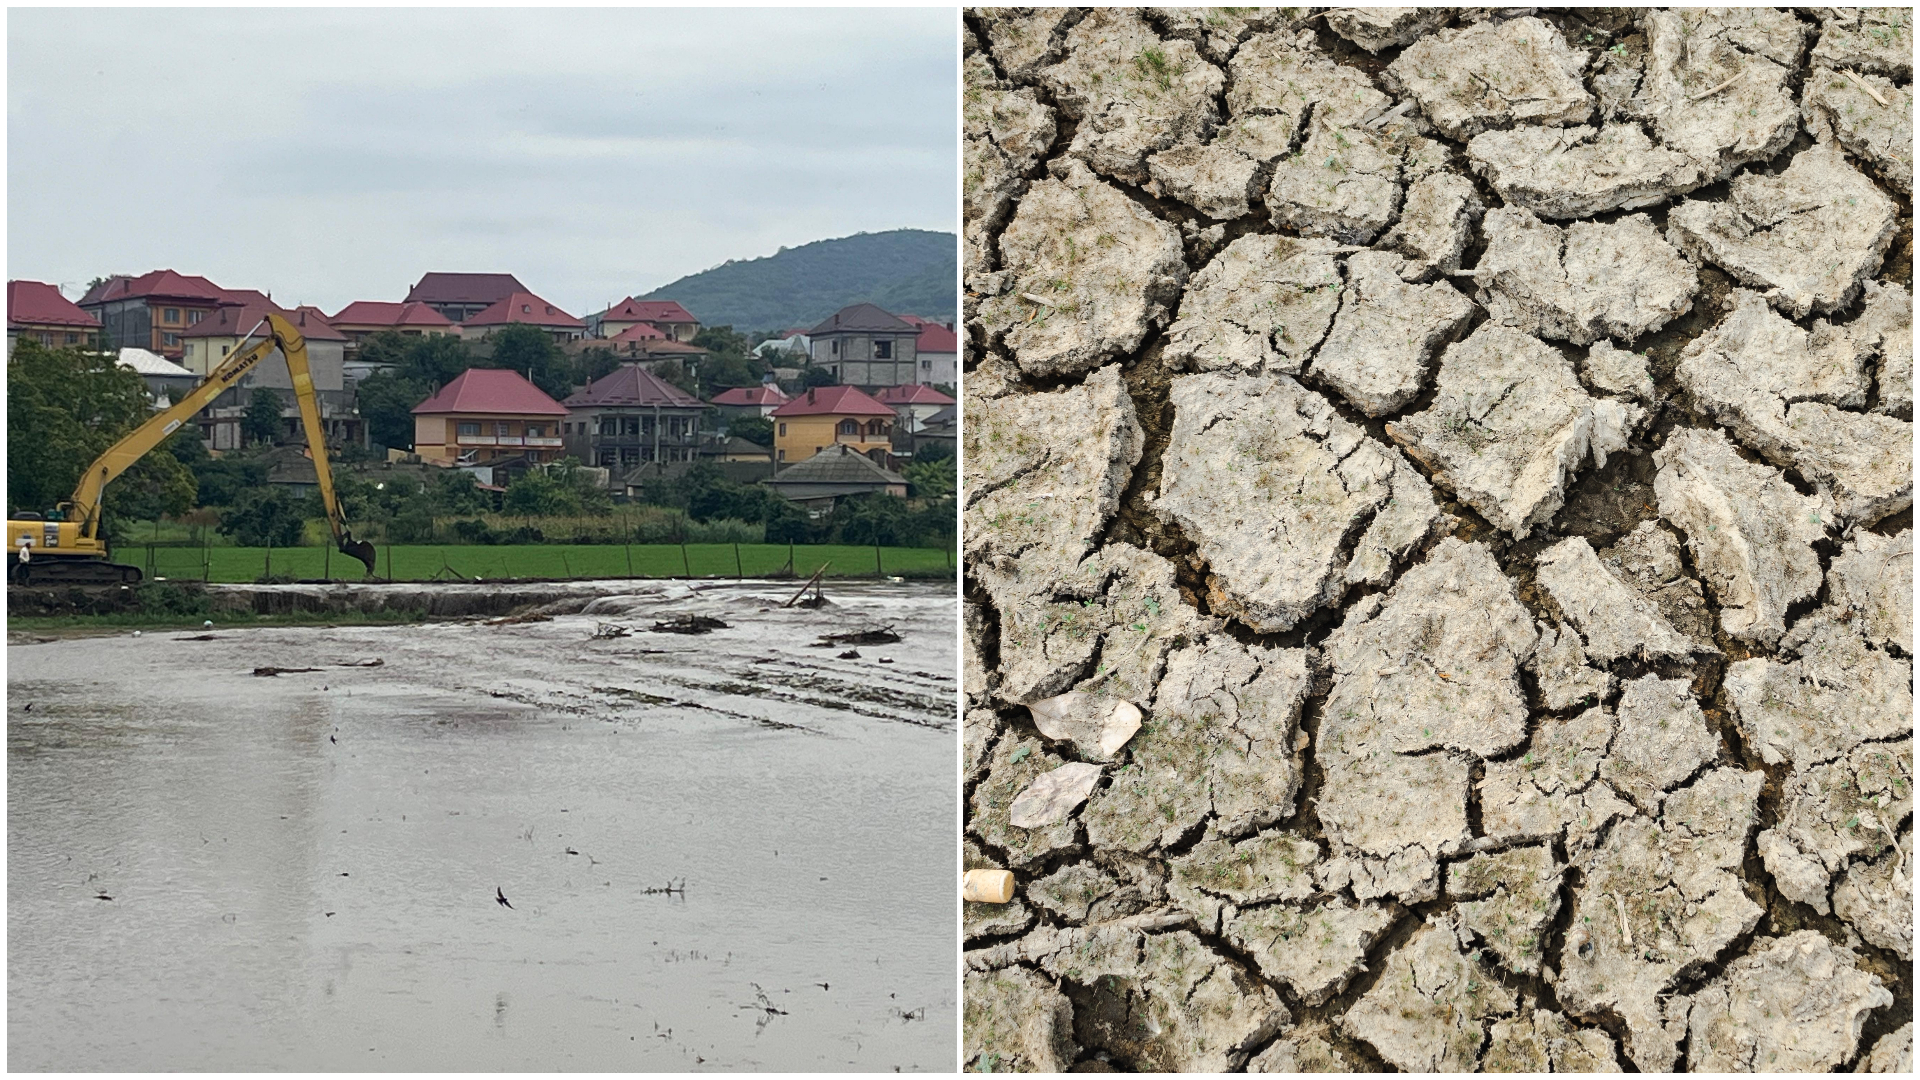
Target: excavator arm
{"x":84,"y":506}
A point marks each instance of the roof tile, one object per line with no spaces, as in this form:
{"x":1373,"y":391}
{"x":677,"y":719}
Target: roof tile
{"x":833,"y":401}
{"x":494,"y":391}
{"x":37,"y":303}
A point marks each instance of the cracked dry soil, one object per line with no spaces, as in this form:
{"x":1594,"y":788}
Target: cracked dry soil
{"x":1475,"y":446}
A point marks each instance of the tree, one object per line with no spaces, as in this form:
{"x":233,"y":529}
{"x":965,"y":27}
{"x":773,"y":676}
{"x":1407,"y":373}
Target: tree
{"x":262,"y":516}
{"x":932,"y":479}
{"x":532,"y":352}
{"x":818,"y":376}
{"x":386,"y":402}
{"x":562,"y":489}
{"x":64,"y":408}
{"x":597,"y":363}
{"x":675,"y":373}
{"x":223,"y":480}
{"x":261,"y":424}
{"x":873,"y":519}
{"x":455,"y":491}
{"x":754,"y":429}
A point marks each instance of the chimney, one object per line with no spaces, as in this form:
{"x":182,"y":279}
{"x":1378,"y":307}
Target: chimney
{"x":811,"y":393}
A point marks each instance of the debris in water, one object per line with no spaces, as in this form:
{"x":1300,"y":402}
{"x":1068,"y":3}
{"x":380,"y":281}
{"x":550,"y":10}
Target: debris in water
{"x":671,"y":888}
{"x":269,"y":672}
{"x":882,"y":636}
{"x":375,"y":662}
{"x":196,"y":637}
{"x":512,"y":620}
{"x":607,"y":631}
{"x":850,"y":654}
{"x":689,"y":624}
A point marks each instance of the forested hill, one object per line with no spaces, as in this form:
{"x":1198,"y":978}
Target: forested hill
{"x":905,"y":271}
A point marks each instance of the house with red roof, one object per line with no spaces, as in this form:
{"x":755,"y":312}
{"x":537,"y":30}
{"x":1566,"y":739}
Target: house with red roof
{"x":522,"y":307}
{"x":206,"y":345}
{"x":487,"y":415}
{"x":458,"y":296}
{"x":667,"y":316}
{"x":38,"y":312}
{"x":938,"y":351}
{"x":865,"y":346}
{"x":631,"y":416}
{"x":913,"y":404}
{"x":411,"y":318}
{"x":749,"y":400}
{"x":643,"y":342}
{"x":153,"y":310}
{"x":827,"y":416}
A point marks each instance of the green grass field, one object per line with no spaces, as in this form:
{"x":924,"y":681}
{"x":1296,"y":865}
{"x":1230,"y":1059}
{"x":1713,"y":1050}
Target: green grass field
{"x":454,"y":562}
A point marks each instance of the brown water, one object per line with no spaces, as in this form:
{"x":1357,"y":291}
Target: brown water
{"x":281,"y":900}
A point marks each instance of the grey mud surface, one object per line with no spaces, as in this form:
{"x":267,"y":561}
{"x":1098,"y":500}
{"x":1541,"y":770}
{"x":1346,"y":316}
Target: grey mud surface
{"x":1477,"y":442}
{"x":302,"y":867}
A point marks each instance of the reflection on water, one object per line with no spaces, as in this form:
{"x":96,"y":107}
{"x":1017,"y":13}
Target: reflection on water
{"x":304,"y":871}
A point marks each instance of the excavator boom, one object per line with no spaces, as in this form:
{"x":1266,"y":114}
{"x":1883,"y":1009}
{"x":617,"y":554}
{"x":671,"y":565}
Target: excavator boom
{"x":78,"y":536}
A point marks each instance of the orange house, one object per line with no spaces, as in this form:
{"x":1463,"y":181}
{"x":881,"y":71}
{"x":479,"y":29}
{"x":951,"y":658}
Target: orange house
{"x":831,"y":416}
{"x":486,"y":415}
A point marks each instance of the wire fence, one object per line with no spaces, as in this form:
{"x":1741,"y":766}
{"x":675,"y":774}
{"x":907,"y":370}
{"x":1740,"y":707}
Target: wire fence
{"x":177,"y":561}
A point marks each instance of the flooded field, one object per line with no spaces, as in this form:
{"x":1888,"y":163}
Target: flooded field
{"x":211,"y":869}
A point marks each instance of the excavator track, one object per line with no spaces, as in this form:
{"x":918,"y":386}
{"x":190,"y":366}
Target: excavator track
{"x":73,"y":572}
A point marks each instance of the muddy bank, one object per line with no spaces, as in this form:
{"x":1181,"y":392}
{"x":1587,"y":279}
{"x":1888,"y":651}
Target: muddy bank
{"x":1423,"y":474}
{"x":303,"y":866}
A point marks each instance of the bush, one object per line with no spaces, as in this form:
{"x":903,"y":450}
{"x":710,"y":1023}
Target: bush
{"x":262,"y":517}
{"x":725,"y":531}
{"x":474,"y":531}
{"x":410,"y":527}
{"x":166,"y":598}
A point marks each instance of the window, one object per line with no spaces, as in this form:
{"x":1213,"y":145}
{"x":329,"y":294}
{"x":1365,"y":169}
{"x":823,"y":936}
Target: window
{"x":225,"y":349}
{"x":500,"y":427}
{"x":836,"y":348}
{"x":73,"y":338}
{"x":171,"y":315}
{"x":169,"y":340}
{"x":195,"y":316}
{"x":780,"y":455}
{"x":926,"y":365}
{"x":849,"y":427}
{"x":469,"y":427}
{"x":526,"y":309}
{"x":607,"y":457}
{"x":535,"y":431}
{"x":783,"y":427}
{"x":883,"y":350}
{"x":876,"y":427}
{"x":46,"y":337}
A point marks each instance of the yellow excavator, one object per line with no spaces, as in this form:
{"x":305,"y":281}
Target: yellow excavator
{"x":64,"y":546}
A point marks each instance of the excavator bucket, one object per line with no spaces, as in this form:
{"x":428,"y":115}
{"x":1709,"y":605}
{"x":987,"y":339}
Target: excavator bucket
{"x":359,"y":549}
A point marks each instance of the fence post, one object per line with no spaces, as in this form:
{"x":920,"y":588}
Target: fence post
{"x":792,"y":569}
{"x":685,"y":563}
{"x":877,"y":571}
{"x":326,"y":561}
{"x":269,"y":571}
{"x":739,"y":574}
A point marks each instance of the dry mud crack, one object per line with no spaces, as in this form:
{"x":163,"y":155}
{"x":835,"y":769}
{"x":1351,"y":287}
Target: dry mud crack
{"x":1444,"y":476}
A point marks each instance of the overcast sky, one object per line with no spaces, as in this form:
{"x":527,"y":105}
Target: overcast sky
{"x":337,"y":155}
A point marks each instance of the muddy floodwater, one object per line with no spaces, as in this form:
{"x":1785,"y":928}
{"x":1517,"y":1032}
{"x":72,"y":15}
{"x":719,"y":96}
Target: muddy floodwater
{"x":303,"y":867}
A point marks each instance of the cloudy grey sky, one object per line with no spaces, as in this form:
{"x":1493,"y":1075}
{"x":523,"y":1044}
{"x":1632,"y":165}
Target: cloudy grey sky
{"x":336,"y":155}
